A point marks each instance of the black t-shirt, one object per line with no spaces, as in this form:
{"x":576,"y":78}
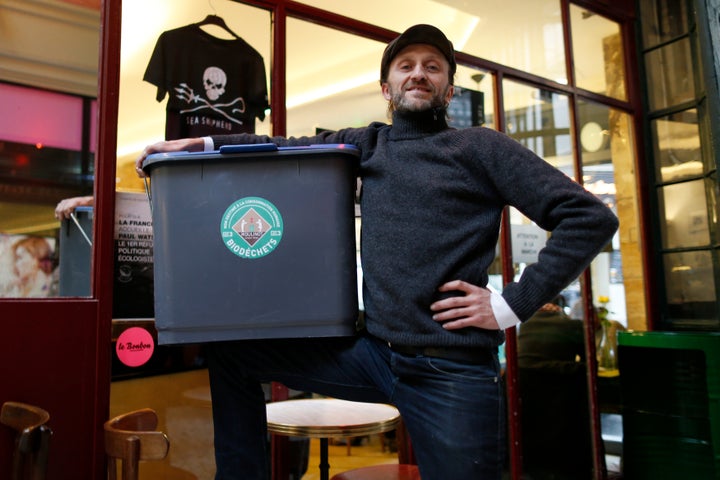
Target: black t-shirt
{"x":215,"y":86}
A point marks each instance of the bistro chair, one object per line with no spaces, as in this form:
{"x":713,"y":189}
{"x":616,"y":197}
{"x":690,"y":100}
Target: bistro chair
{"x":32,"y":443}
{"x":406,"y":469}
{"x":132,"y":437}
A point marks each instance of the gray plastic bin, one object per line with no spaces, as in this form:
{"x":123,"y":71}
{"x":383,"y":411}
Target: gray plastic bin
{"x":254,"y":242}
{"x":76,"y":253}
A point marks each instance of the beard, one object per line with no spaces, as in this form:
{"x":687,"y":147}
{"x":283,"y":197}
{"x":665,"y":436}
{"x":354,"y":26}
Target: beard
{"x":401,"y":101}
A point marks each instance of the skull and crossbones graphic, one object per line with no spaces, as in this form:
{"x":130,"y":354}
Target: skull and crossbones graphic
{"x":214,"y":82}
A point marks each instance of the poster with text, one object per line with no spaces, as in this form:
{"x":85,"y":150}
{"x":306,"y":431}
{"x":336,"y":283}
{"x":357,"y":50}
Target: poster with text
{"x":133,"y":273}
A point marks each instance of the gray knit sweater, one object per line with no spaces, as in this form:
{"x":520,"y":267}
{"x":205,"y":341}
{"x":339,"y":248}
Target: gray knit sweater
{"x":431,"y":204}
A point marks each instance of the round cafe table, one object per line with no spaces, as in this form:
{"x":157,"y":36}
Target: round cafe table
{"x":329,"y":417}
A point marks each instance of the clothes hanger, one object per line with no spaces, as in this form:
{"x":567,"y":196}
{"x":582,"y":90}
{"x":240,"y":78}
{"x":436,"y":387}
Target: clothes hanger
{"x":218,"y":21}
{"x":214,"y":19}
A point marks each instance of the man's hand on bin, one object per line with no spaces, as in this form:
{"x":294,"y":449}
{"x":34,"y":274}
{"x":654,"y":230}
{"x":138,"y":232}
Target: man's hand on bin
{"x":180,"y":145}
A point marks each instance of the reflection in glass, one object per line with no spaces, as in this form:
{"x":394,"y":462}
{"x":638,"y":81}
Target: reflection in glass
{"x":597,"y":53}
{"x":676,"y":140}
{"x":690,"y":284}
{"x":478,"y":81}
{"x":670,"y":75}
{"x":472,"y":104}
{"x":43,"y":158}
{"x":684,"y":210}
{"x":540,"y":120}
{"x":607,"y":170}
{"x":27,"y":266}
{"x":662,"y":20}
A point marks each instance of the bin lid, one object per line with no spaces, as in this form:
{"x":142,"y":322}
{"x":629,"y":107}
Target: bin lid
{"x":246,"y":151}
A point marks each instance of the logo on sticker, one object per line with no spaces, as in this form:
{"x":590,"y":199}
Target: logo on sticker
{"x":135,"y":346}
{"x":251,"y":227}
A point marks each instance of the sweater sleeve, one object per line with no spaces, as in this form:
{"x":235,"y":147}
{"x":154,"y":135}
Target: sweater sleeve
{"x":360,"y":137}
{"x":580,"y":225}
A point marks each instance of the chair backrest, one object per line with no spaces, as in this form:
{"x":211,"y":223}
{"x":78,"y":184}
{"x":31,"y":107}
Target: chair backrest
{"x":132,"y":437}
{"x":387,"y":471}
{"x":32,"y":443}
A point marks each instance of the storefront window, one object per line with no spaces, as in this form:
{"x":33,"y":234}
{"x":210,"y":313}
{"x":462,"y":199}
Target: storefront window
{"x":42,"y":160}
{"x":597,"y":53}
{"x":517,"y":33}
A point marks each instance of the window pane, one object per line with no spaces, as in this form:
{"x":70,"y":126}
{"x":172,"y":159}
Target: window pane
{"x":670,"y":79}
{"x":597,"y":53}
{"x":540,"y":120}
{"x":676,"y":142}
{"x":41,"y":162}
{"x":662,"y":20}
{"x":473,"y":103}
{"x":517,"y":33}
{"x":142,"y":25}
{"x":336,"y":89}
{"x":690,"y":282}
{"x":683,"y":208}
{"x":608,"y":161}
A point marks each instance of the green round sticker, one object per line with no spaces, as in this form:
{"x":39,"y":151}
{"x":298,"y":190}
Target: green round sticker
{"x":251,"y":227}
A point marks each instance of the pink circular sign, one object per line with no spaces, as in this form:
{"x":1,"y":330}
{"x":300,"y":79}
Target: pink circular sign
{"x":135,"y":346}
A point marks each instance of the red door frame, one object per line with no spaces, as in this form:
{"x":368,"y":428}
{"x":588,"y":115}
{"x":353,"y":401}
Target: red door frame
{"x":56,"y":353}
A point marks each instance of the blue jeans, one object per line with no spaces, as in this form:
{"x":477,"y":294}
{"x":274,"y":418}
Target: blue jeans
{"x":453,"y":411}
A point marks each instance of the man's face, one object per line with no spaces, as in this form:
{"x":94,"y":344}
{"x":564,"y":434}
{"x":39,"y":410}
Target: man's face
{"x":418,"y":79}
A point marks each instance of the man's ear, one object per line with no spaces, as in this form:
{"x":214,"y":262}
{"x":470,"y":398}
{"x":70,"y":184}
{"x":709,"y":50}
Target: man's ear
{"x":449,"y":94}
{"x":385,"y":90}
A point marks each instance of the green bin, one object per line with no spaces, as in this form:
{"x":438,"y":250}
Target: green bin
{"x":670,"y":384}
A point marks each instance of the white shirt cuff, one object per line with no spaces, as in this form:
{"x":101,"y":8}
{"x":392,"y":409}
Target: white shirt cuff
{"x":504,"y":315}
{"x":209,"y":144}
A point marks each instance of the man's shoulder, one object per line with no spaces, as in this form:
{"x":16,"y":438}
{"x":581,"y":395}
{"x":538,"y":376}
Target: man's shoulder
{"x":482,"y":132}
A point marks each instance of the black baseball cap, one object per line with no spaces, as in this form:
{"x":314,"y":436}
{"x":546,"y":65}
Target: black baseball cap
{"x":426,"y":34}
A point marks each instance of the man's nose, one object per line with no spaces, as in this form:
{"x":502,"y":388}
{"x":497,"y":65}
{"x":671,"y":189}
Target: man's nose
{"x":418,"y":72}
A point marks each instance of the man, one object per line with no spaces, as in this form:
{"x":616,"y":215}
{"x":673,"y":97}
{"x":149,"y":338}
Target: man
{"x":432,"y":201}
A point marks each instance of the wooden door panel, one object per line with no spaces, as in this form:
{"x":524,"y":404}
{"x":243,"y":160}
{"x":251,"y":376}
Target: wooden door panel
{"x":51,"y":357}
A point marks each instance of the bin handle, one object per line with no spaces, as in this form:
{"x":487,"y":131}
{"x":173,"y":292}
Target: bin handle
{"x":74,"y":219}
{"x":147,"y":192}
